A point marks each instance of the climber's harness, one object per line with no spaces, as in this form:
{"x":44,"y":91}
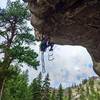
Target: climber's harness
{"x":45,"y":43}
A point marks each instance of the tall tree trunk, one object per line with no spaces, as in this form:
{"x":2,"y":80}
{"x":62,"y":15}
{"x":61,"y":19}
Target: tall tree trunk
{"x":2,"y":83}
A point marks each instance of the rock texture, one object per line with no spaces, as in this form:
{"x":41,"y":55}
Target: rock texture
{"x":70,"y":22}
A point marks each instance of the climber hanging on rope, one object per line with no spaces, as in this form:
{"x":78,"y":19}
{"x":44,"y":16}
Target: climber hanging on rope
{"x":45,"y":43}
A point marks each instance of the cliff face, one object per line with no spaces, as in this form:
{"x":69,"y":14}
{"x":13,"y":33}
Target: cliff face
{"x":70,"y":22}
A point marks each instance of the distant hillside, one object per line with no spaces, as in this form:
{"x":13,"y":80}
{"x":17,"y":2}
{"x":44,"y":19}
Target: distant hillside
{"x":88,"y":90}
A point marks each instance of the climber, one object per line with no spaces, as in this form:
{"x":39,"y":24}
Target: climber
{"x":25,"y":1}
{"x":45,"y":43}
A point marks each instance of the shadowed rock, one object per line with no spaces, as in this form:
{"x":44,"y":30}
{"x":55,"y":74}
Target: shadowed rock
{"x":70,"y":22}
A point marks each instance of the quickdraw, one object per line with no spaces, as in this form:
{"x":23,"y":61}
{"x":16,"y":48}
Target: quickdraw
{"x":50,"y":56}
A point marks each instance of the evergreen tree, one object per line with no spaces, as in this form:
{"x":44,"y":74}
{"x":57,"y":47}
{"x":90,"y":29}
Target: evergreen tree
{"x":15,"y":39}
{"x":17,"y":88}
{"x":87,"y":90}
{"x":93,"y":93}
{"x":60,"y":93}
{"x":91,"y":85}
{"x":82,"y":96}
{"x":46,"y":88}
{"x":39,"y":82}
{"x":53,"y":95}
{"x":36,"y":87}
{"x":69,"y":93}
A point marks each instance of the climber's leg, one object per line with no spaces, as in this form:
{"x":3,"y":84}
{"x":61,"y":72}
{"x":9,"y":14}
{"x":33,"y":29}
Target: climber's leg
{"x":51,"y":46}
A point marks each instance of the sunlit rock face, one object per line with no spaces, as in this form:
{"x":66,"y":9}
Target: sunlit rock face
{"x":69,"y":22}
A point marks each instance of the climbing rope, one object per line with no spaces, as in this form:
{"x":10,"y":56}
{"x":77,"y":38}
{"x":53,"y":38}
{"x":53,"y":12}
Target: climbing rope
{"x":45,"y":43}
{"x":43,"y":62}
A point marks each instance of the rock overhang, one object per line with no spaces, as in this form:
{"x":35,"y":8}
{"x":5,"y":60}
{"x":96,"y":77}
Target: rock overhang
{"x":70,"y":22}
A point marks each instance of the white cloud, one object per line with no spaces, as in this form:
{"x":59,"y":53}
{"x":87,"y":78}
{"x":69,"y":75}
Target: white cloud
{"x":71,"y":64}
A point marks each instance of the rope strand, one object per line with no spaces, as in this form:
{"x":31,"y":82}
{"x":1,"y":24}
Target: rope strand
{"x":43,"y":62}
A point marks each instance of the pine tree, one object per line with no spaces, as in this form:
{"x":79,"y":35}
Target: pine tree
{"x":36,"y":87}
{"x":93,"y":94}
{"x":82,"y":96}
{"x":15,"y":39}
{"x":69,"y":93}
{"x":87,"y":90}
{"x":46,"y":88}
{"x":91,"y":84}
{"x":16,"y":88}
{"x":53,"y":95}
{"x":60,"y":93}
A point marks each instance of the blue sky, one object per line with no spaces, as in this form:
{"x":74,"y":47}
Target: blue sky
{"x":71,"y":64}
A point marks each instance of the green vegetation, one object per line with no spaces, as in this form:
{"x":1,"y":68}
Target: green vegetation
{"x":17,"y":88}
{"x":15,"y":40}
{"x":15,"y":49}
{"x":60,"y":93}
